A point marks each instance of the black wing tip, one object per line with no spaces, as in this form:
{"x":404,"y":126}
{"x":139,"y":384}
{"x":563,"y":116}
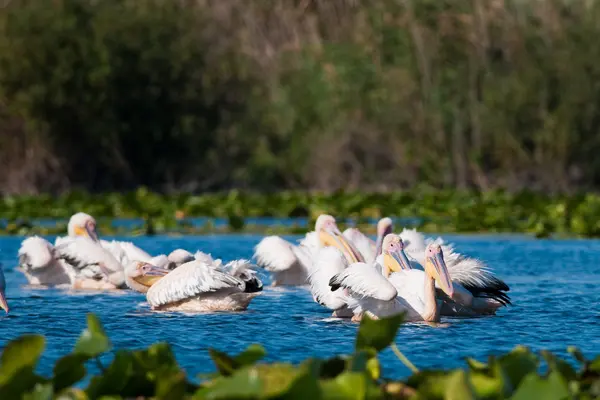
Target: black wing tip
{"x":253,"y":285}
{"x":334,"y":283}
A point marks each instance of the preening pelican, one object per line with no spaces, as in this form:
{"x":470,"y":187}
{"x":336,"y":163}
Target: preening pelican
{"x":3,"y":303}
{"x":94,"y":266}
{"x":391,"y":288}
{"x":39,"y":262}
{"x":82,"y":224}
{"x":473,"y":275}
{"x":194,"y":286}
{"x":291,"y":264}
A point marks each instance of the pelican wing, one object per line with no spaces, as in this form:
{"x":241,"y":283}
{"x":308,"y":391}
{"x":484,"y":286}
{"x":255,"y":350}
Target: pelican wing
{"x":364,"y":280}
{"x":190,"y":280}
{"x":275,"y":254}
{"x":242,"y":269}
{"x":125,"y":252}
{"x":328,"y":263}
{"x":363,"y":243}
{"x":85,"y":256}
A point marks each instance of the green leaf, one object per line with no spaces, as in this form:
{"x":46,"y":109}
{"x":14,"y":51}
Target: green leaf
{"x":41,"y":391}
{"x":561,"y":366}
{"x":575,"y":352}
{"x":429,"y":384}
{"x":242,"y":384}
{"x":226,"y":364}
{"x":20,"y":353}
{"x":350,"y":386}
{"x":251,"y":355}
{"x":68,"y":371}
{"x":93,"y":341}
{"x":535,"y":387}
{"x":115,"y":378}
{"x":78,"y":394}
{"x":377,"y":334}
{"x":458,"y":387}
{"x":306,"y":384}
{"x":517,"y":364}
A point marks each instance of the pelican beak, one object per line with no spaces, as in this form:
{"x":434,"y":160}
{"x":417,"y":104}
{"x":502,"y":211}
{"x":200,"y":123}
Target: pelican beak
{"x":397,"y":261}
{"x":157,"y":271}
{"x":334,"y":238}
{"x":440,"y":273}
{"x":153,"y":275}
{"x":3,"y":303}
{"x":91,"y":232}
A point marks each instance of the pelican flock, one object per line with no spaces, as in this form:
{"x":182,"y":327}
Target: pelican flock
{"x":348,"y":273}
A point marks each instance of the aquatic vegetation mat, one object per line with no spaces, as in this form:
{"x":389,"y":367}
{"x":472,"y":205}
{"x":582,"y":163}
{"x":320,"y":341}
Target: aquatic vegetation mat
{"x":293,"y":212}
{"x":154,"y":373}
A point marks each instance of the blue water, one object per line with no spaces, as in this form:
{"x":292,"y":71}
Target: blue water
{"x":555,"y":287}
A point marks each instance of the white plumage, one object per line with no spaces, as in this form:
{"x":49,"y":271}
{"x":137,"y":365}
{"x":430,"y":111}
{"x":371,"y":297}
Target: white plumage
{"x":125,"y":252}
{"x":473,"y":274}
{"x":38,"y":261}
{"x":382,"y":297}
{"x":191,"y":280}
{"x":289,"y":264}
{"x":328,"y":263}
{"x":90,"y":260}
{"x":363,"y":243}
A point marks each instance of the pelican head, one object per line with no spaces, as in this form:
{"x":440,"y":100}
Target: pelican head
{"x":394,"y":257}
{"x":330,"y":235}
{"x":82,"y":224}
{"x":180,"y":256}
{"x":435,"y":267}
{"x":3,"y":303}
{"x":384,"y":228}
{"x":141,"y":276}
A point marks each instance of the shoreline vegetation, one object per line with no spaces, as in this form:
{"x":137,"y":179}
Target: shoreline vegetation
{"x":376,"y":95}
{"x":428,"y":210}
{"x":154,"y":373}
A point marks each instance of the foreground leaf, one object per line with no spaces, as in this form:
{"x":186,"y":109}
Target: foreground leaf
{"x":377,"y":334}
{"x":535,"y":387}
{"x":243,"y":384}
{"x":93,"y":340}
{"x":24,"y":351}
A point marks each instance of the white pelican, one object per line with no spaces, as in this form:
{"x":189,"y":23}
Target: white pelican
{"x":291,"y":264}
{"x":238,"y":268}
{"x":40,"y":263}
{"x":473,"y":274}
{"x":387,"y":289}
{"x":194,"y":286}
{"x":3,"y":303}
{"x":82,"y":224}
{"x":94,"y":266}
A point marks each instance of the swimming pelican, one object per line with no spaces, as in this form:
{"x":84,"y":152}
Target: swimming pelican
{"x":3,"y":303}
{"x":291,"y":264}
{"x":194,"y":286}
{"x":393,"y":288}
{"x":40,"y":263}
{"x":82,"y":224}
{"x":473,"y":274}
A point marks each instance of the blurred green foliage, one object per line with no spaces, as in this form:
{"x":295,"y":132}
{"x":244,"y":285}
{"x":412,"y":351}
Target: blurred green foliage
{"x":438,"y":211}
{"x":153,"y":373}
{"x":196,"y":95}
